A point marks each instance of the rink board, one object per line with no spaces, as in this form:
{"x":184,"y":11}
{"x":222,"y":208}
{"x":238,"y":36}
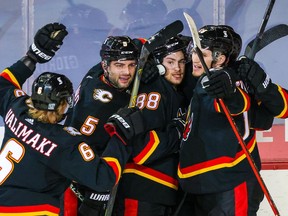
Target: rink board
{"x":273,"y":147}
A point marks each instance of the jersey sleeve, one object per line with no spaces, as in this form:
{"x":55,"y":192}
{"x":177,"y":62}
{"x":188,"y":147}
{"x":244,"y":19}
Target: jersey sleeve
{"x":12,"y":78}
{"x":79,"y":163}
{"x":275,"y":99}
{"x":154,"y":145}
{"x":260,"y":117}
{"x":237,"y":104}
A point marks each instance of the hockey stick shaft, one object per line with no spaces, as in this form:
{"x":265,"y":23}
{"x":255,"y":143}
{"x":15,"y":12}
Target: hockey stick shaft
{"x":261,"y":29}
{"x":231,"y":121}
{"x":143,"y":58}
{"x":269,"y":36}
{"x":153,"y":42}
{"x":249,"y":157}
{"x":245,"y":149}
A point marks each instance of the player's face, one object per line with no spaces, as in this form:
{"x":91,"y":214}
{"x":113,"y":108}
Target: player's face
{"x":197,"y":68}
{"x":175,"y":67}
{"x":121,"y":73}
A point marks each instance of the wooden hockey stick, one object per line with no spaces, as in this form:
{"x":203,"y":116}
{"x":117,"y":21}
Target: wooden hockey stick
{"x":154,"y":41}
{"x":197,"y":47}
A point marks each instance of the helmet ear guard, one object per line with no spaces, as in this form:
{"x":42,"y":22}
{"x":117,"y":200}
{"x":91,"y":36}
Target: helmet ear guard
{"x":49,"y":89}
{"x":161,"y":69}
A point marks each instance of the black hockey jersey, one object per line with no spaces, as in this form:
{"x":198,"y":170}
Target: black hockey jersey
{"x":275,"y":99}
{"x":95,"y":102}
{"x":38,"y":161}
{"x":211,"y":158}
{"x":151,"y":175}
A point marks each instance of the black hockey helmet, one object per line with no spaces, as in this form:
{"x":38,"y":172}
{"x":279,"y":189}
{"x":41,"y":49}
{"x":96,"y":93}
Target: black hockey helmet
{"x":221,"y":38}
{"x":237,"y":46}
{"x":49,"y":89}
{"x":119,"y":48}
{"x":172,"y":45}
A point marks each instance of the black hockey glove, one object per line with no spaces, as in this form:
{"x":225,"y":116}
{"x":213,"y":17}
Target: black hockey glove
{"x":94,"y":203}
{"x":251,"y":72}
{"x":220,"y":84}
{"x":47,"y":41}
{"x":151,"y":71}
{"x":125,"y":124}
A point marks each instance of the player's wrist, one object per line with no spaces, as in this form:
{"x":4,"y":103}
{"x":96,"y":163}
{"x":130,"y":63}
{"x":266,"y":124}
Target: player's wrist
{"x":29,"y":62}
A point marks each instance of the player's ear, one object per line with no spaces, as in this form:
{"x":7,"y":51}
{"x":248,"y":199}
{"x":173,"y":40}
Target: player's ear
{"x":221,"y":60}
{"x":104,"y":65}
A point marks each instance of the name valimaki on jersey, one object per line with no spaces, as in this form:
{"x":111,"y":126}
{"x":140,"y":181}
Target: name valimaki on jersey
{"x":29,"y":136}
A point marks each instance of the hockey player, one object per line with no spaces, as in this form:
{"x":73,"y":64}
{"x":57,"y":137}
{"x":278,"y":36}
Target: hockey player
{"x":213,"y":168}
{"x":103,"y":90}
{"x":149,"y":183}
{"x":39,"y":158}
{"x":272,"y":96}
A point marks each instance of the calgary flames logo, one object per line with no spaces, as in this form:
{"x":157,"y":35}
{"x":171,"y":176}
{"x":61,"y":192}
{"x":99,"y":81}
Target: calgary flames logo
{"x":102,"y":95}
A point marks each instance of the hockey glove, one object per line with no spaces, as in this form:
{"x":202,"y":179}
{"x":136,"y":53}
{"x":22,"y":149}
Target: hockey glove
{"x":220,"y":84}
{"x":47,"y":41}
{"x":94,"y":203}
{"x":125,"y":124}
{"x":151,"y":71}
{"x":251,"y":72}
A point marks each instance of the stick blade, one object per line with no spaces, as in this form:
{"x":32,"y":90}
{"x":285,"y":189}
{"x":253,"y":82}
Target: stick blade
{"x":193,"y":30}
{"x":163,"y":35}
{"x":269,"y":36}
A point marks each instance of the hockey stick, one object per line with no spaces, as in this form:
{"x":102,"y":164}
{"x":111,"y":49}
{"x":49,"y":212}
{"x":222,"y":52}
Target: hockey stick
{"x":269,"y":36}
{"x":197,"y":47}
{"x":259,"y":35}
{"x":154,"y":41}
